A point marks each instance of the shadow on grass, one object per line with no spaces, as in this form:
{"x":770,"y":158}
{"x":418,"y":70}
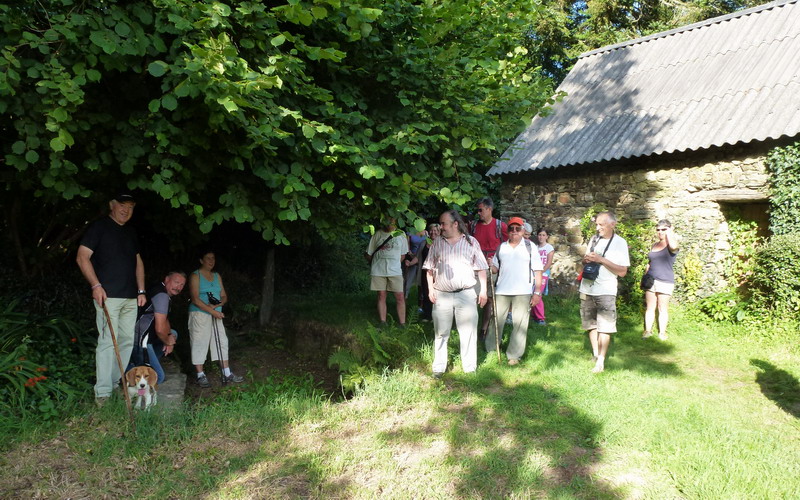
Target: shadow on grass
{"x":628,"y":351}
{"x":520,"y":441}
{"x":778,"y":385}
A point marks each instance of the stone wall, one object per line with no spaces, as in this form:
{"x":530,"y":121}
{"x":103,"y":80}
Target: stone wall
{"x":693,"y":190}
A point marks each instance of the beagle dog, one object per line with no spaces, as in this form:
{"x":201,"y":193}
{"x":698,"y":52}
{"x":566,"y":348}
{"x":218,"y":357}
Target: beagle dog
{"x":142,"y":386}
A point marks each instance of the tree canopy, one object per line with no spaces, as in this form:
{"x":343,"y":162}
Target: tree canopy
{"x":280,"y":115}
{"x":572,"y":27}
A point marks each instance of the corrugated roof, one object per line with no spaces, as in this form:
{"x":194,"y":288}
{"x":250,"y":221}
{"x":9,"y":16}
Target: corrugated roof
{"x":731,"y":79}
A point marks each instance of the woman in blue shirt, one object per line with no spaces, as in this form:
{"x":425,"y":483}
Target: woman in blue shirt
{"x":205,"y":320}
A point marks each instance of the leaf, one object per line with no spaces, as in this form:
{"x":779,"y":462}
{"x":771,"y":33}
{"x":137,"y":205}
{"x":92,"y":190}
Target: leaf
{"x":157,"y":68}
{"x":18,"y":147}
{"x":466,"y":143}
{"x":56,"y":144}
{"x":308,"y":131}
{"x":278,"y":41}
{"x":169,"y":102}
{"x":228,"y":104}
{"x":154,"y":105}
{"x":31,"y":156}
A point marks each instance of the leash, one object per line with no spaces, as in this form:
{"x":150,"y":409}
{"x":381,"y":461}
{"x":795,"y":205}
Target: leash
{"x":121,"y":370}
{"x":219,"y":351}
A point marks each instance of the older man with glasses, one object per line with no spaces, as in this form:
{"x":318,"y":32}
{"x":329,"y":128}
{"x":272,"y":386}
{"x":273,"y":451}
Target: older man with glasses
{"x":518,"y":266}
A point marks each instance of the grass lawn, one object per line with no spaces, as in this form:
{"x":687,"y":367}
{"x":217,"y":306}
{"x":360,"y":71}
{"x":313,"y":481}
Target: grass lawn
{"x":706,"y":414}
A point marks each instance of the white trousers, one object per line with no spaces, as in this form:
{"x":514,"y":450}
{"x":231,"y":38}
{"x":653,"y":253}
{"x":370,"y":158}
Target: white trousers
{"x":463,"y":307}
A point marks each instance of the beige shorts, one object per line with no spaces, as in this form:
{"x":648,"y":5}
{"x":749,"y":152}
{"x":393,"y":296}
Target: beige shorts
{"x":202,"y":336}
{"x":662,"y":287}
{"x":386,"y":283}
{"x":599,"y":312}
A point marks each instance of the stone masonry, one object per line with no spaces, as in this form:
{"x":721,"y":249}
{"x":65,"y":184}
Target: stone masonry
{"x":692,"y":190}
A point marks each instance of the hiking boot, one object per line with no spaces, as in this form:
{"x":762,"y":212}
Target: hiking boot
{"x":233,"y":378}
{"x":203,"y":382}
{"x":101,"y":401}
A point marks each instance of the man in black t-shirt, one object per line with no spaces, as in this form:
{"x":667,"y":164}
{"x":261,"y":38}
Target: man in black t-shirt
{"x":109,"y":259}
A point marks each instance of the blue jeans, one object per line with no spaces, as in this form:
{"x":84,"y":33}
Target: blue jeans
{"x":154,"y":359}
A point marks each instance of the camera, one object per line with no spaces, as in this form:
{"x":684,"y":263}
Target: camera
{"x":213,"y":300}
{"x":591,"y":270}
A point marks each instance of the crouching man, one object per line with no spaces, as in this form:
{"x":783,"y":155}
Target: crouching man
{"x":153,"y":336}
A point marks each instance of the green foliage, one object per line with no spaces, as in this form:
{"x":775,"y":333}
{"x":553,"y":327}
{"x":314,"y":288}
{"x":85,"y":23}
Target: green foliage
{"x":689,"y":276}
{"x":639,"y":236}
{"x":294,"y":118}
{"x":723,"y":306}
{"x":368,"y":351}
{"x":43,"y":366}
{"x":784,"y":169}
{"x":744,"y":245}
{"x":325,"y":267}
{"x":776,"y":275}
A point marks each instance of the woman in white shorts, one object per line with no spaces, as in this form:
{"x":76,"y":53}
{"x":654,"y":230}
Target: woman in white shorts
{"x":661,"y":267}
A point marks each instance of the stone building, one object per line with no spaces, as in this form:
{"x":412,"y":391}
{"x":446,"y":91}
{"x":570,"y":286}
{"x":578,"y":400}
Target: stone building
{"x":675,"y":125}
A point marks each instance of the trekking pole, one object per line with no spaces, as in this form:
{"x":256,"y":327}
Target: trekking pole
{"x":494,"y":312}
{"x":121,"y":370}
{"x":219,"y":351}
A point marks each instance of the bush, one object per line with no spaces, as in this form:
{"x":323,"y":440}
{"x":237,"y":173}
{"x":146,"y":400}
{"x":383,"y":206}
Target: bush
{"x":368,"y":351}
{"x":784,"y":169}
{"x":44,"y":363}
{"x":776,"y":274}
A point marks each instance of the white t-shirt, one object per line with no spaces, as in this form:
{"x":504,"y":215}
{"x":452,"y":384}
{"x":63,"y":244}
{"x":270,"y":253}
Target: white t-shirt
{"x":606,"y":282}
{"x":543,"y":251}
{"x":513,"y":264}
{"x":386,"y":261}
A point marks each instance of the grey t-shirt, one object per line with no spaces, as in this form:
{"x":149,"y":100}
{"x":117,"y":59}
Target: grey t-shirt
{"x":661,"y":265}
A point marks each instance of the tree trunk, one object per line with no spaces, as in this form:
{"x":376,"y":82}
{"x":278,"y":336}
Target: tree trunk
{"x":13,"y":217}
{"x":267,"y":289}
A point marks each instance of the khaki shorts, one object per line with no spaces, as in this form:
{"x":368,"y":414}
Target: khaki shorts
{"x":386,"y":283}
{"x":599,"y":312}
{"x":662,"y":287}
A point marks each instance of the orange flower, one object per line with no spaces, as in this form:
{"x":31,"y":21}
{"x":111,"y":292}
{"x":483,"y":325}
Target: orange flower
{"x":41,"y":369}
{"x":73,"y":339}
{"x":23,"y":358}
{"x":30,"y":383}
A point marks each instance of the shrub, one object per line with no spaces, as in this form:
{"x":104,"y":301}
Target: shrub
{"x":723,"y":306}
{"x":784,"y":168}
{"x":776,"y":274}
{"x":744,"y":245}
{"x":368,"y":351}
{"x":44,"y":363}
{"x":689,"y":276}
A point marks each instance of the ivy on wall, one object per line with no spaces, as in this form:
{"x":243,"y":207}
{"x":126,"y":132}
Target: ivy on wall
{"x":783,"y":165}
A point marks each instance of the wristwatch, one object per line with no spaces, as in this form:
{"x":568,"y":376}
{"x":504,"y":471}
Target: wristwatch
{"x":537,"y":293}
{"x":140,"y":292}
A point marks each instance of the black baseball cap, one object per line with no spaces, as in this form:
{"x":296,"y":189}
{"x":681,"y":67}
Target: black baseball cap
{"x":124,"y":196}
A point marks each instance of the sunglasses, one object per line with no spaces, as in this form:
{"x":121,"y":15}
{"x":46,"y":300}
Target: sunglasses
{"x":515,"y":229}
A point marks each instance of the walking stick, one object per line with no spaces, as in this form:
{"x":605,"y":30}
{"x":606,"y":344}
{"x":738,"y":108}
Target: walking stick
{"x":121,"y":370}
{"x":494,"y":312}
{"x":219,"y":351}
